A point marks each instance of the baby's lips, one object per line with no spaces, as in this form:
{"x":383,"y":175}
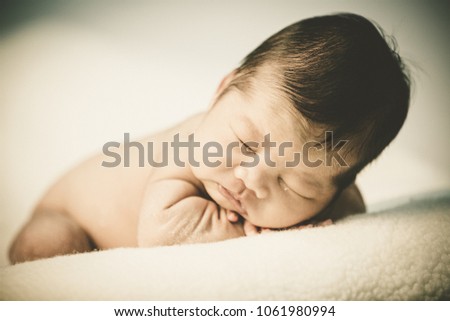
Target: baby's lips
{"x":232,"y":199}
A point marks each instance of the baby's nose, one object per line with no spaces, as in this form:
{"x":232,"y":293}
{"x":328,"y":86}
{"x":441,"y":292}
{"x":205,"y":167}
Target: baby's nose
{"x":253,"y":180}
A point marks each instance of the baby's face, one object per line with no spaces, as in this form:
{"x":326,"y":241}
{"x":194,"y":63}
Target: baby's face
{"x":265,"y":191}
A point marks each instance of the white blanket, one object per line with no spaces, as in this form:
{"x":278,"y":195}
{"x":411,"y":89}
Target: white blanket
{"x":72,"y":80}
{"x":401,"y":253}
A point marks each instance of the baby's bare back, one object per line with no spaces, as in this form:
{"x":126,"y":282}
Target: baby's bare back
{"x":105,"y":201}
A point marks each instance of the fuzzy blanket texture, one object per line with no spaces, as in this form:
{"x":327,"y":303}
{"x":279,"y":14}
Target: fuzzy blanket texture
{"x":398,"y":253}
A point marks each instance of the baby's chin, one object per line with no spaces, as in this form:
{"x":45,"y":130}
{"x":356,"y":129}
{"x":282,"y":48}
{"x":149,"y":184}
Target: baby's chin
{"x":269,"y":224}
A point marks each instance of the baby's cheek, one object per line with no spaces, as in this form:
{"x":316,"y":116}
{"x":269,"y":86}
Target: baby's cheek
{"x":283,"y":215}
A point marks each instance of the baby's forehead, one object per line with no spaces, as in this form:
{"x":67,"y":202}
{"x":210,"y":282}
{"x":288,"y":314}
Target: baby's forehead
{"x":265,"y":94}
{"x":278,"y":117}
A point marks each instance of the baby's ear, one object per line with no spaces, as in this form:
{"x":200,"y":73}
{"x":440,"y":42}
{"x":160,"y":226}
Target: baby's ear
{"x":222,"y":86}
{"x":225,"y":82}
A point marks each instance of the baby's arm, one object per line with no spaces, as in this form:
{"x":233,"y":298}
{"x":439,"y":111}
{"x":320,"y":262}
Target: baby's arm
{"x":172,"y":212}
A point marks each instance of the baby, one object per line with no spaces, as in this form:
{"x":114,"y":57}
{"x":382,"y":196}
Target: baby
{"x":279,"y":147}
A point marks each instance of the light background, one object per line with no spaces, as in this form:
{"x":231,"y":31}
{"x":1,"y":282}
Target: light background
{"x":76,"y":74}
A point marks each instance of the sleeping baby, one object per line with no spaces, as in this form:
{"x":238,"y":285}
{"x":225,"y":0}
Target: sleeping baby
{"x":278,"y":148}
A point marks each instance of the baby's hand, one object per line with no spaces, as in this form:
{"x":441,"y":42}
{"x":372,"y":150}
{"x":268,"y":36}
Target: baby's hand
{"x":232,"y":216}
{"x":249,"y":228}
{"x":172,"y":212}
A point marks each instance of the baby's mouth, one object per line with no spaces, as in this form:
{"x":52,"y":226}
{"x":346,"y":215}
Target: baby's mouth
{"x":233,"y":200}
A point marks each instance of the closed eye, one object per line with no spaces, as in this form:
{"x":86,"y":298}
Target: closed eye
{"x":247,"y":148}
{"x":283,"y":184}
{"x":286,"y":188}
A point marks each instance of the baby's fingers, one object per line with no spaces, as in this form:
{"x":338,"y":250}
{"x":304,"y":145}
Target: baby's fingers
{"x":301,"y":227}
{"x":320,"y":224}
{"x":325,"y":223}
{"x":249,"y":228}
{"x":232,"y":217}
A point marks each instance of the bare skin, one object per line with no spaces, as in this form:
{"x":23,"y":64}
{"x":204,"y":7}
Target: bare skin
{"x":93,"y":206}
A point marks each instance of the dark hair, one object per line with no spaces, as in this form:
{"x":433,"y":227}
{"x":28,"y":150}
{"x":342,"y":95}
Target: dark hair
{"x":338,"y":71}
